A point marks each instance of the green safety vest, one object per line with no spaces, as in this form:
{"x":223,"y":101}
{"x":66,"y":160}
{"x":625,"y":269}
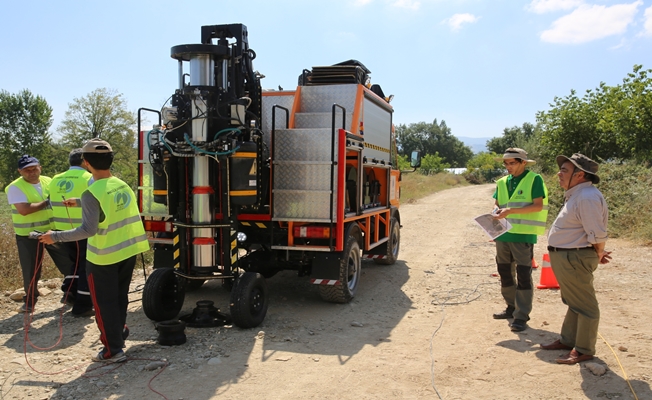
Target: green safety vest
{"x":121,"y":234}
{"x":70,"y":184}
{"x":37,"y":221}
{"x":531,"y":223}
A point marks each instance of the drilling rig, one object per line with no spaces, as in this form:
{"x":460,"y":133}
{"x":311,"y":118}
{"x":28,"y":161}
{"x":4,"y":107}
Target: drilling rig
{"x":237,"y":183}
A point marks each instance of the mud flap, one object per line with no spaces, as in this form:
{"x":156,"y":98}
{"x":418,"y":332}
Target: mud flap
{"x":326,"y":266}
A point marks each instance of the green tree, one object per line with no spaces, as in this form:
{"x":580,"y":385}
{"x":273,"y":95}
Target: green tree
{"x":103,"y":113}
{"x":435,"y":139}
{"x":484,"y":167}
{"x":24,"y":123}
{"x":515,"y":136}
{"x":403,"y":162}
{"x":432,"y":164}
{"x":609,"y":122}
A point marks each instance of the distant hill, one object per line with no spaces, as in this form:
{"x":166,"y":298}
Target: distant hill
{"x":476,"y":144}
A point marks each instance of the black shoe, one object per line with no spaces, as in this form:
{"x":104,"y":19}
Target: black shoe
{"x":505,"y":314}
{"x":68,"y":298}
{"x":82,"y":311}
{"x":518,"y":325}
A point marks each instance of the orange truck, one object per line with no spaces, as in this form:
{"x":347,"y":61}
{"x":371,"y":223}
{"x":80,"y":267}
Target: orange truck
{"x":237,"y":183}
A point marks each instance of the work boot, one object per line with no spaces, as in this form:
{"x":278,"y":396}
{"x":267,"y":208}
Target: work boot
{"x":507,"y":314}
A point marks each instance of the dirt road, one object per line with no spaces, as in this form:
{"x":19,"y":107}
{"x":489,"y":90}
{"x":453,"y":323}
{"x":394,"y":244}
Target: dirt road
{"x":421,"y":328}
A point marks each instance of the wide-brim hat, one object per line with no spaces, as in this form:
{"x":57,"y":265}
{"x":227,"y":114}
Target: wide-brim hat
{"x":583,"y":163}
{"x":515,"y":152}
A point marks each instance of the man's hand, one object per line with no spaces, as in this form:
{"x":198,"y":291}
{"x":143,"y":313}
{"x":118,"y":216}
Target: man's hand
{"x":604,"y":257}
{"x":501,"y":213}
{"x":70,"y":202}
{"x":46,"y":238}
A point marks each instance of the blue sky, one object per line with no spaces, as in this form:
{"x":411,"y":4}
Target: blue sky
{"x":479,"y":65}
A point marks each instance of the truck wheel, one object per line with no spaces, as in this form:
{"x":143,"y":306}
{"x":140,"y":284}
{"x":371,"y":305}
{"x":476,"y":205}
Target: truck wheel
{"x":393,"y":244}
{"x":163,"y":295}
{"x":249,"y":300}
{"x":350,"y":271}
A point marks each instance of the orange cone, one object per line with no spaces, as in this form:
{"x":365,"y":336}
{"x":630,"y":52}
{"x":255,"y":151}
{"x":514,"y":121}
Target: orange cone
{"x":534,"y":264}
{"x":548,"y":280}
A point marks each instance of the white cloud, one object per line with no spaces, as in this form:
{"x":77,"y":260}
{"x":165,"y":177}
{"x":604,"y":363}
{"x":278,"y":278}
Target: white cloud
{"x":544,"y":6}
{"x":409,"y":4}
{"x":456,"y":21}
{"x":648,"y":22}
{"x":361,"y":3}
{"x":591,"y":22}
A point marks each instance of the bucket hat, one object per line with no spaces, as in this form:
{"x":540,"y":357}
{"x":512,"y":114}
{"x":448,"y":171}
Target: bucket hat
{"x":583,"y":163}
{"x":515,"y":152}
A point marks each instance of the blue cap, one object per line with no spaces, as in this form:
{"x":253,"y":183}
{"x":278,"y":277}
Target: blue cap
{"x":27,"y":161}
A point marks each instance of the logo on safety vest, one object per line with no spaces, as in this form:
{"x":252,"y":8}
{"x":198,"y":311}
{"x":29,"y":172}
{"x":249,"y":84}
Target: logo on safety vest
{"x":65,"y":186}
{"x":520,"y":192}
{"x":121,"y":199}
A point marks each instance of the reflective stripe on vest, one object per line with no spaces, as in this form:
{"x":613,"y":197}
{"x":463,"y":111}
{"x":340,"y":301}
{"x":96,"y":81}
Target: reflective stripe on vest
{"x":530,"y":223}
{"x":121,"y":234}
{"x":36,"y":221}
{"x":70,"y":184}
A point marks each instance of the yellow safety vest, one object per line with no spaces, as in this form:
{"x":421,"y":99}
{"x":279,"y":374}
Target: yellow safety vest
{"x":121,"y":234}
{"x":70,"y":184}
{"x":37,"y":221}
{"x":531,"y":223}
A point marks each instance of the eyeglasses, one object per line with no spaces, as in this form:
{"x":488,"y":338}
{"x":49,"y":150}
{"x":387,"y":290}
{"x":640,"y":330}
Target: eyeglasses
{"x":511,"y":164}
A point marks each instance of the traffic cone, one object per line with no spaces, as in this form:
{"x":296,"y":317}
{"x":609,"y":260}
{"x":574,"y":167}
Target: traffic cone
{"x":548,"y":280}
{"x":534,"y":264}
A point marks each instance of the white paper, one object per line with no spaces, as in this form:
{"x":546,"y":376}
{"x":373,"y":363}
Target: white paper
{"x":491,"y":226}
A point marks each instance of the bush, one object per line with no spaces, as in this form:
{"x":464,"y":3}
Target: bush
{"x":483,"y":168}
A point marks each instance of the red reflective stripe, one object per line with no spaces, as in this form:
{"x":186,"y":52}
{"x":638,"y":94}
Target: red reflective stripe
{"x":202,"y":190}
{"x":98,"y":312}
{"x":203,"y":241}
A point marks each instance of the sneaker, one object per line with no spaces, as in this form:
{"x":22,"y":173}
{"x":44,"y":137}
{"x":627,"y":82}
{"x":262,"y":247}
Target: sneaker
{"x":116,"y":358}
{"x":125,"y":333}
{"x":518,"y":325}
{"x":507,"y":314}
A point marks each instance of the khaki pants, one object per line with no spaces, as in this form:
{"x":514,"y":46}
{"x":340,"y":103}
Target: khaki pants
{"x":574,"y":272}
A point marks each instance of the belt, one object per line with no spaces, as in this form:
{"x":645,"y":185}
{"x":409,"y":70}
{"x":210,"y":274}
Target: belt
{"x":550,"y":248}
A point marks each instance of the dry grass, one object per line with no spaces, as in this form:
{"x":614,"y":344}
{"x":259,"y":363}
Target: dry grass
{"x":415,"y":186}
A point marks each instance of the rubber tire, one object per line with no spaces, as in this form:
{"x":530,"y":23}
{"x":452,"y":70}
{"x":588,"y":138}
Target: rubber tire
{"x":163,"y":295}
{"x":350,"y":273}
{"x":249,"y":300}
{"x":393,"y":244}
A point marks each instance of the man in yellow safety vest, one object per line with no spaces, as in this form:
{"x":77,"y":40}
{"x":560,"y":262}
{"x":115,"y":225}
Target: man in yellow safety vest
{"x":31,"y":212}
{"x":67,"y":185}
{"x":112,"y":224}
{"x":522,"y":198}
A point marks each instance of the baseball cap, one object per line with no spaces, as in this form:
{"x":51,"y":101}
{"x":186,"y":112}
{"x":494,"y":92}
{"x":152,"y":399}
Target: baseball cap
{"x":97,"y":145}
{"x":27,"y":161}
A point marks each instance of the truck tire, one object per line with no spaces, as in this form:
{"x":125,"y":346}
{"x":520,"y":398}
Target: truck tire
{"x":163,"y":295}
{"x":249,"y":300}
{"x":393,"y":244}
{"x":350,"y":272}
